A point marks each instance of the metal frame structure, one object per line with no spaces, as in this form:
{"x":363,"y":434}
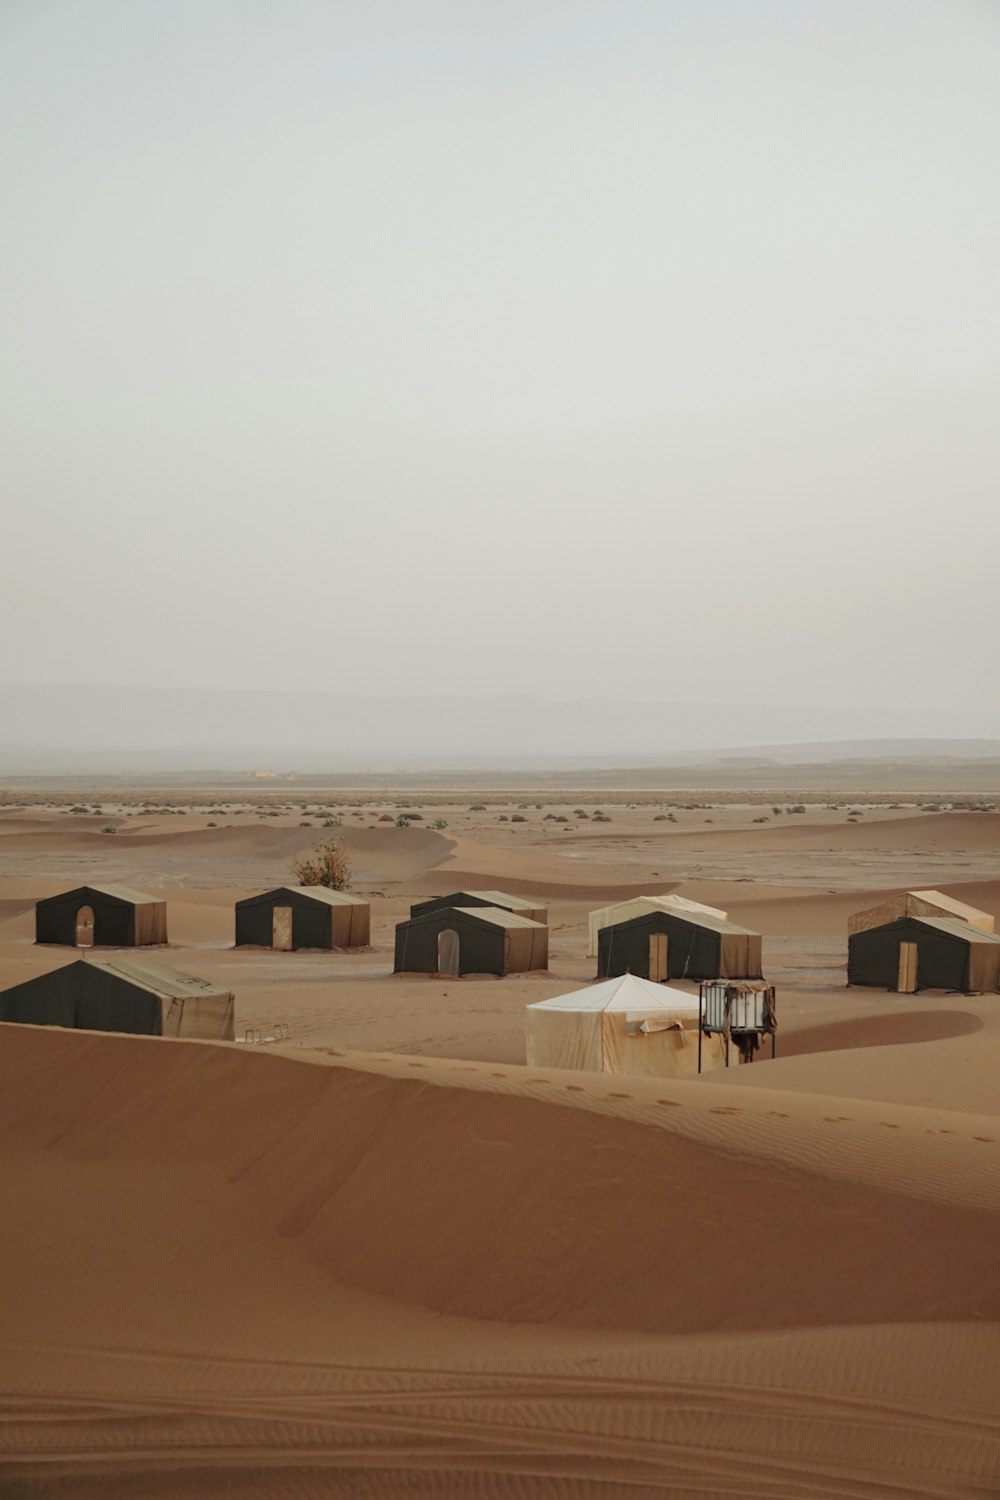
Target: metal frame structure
{"x":747,"y":1013}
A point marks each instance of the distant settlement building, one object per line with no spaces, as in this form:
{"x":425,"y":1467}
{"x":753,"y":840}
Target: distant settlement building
{"x":304,"y":916}
{"x":136,"y":995}
{"x":101,"y":916}
{"x":471,"y":940}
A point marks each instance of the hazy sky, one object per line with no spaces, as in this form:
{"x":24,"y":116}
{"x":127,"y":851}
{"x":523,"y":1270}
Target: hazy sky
{"x":644,"y":348}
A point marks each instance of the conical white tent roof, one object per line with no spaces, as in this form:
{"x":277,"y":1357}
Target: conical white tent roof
{"x":628,"y":993}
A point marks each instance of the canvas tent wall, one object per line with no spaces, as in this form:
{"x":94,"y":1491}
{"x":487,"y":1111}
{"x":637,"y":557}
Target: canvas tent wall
{"x":671,"y":945}
{"x":119,"y":994}
{"x":118,"y":917}
{"x":925,"y":953}
{"x":308,"y":916}
{"x":919,"y":904}
{"x":523,"y":906}
{"x":471,"y":940}
{"x":623,"y":911}
{"x":625,"y":1025}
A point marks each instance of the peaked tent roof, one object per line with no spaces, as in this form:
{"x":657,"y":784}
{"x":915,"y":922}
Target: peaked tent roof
{"x":498,"y":898}
{"x":627,"y":992}
{"x":311,"y":893}
{"x":116,"y":892}
{"x":159,"y":979}
{"x":959,"y":909}
{"x":693,"y":918}
{"x":953,"y":927}
{"x":494,"y":916}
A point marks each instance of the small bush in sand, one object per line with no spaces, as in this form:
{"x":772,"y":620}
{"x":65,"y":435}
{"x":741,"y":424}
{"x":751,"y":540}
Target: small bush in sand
{"x":326,"y":863}
{"x":518,"y":818}
{"x":332,"y":822}
{"x":402,"y":821}
{"x":387,"y":818}
{"x":440,"y":823}
{"x":109,"y":829}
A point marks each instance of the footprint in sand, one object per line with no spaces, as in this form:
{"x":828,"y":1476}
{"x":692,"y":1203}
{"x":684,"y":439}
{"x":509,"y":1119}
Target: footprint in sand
{"x":888,"y":1124}
{"x":724,"y":1109}
{"x":670,"y":1103}
{"x":619,"y":1096}
{"x":987,"y":1138}
{"x":416,"y":1065}
{"x":574,"y":1088}
{"x":498,"y":1075}
{"x":777,"y":1115}
{"x":835,"y":1119}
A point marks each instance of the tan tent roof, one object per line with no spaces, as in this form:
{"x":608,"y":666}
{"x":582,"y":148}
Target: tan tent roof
{"x":315,"y":893}
{"x":159,"y":979}
{"x":955,"y":928}
{"x":116,"y":892}
{"x":494,"y":916}
{"x":948,"y":903}
{"x":502,"y":899}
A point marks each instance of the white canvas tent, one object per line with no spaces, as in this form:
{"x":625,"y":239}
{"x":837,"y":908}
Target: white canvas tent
{"x":624,"y":911}
{"x":624,"y":1025}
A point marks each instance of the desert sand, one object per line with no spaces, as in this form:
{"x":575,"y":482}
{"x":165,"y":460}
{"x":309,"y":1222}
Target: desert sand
{"x":387,"y":1259}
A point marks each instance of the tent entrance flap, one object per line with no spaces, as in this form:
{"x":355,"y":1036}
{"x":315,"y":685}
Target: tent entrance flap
{"x":281,"y":929}
{"x":449,"y":951}
{"x":906,"y":982}
{"x":85,"y":927}
{"x":658,"y":957}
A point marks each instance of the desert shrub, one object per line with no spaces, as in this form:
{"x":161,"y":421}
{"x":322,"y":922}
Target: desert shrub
{"x":518,"y":818}
{"x":798,"y":808}
{"x":539,"y":806}
{"x":386,"y":818}
{"x":402,"y":821}
{"x":109,"y":829}
{"x":440,"y":823}
{"x":777,"y":811}
{"x":326,"y":863}
{"x":334,"y":822}
{"x":478,"y":807}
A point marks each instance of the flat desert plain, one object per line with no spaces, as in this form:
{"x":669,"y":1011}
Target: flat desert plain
{"x":385,"y":1258}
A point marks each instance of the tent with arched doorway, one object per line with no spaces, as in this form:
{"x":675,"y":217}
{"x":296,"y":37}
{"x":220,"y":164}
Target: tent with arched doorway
{"x":625,"y":1025}
{"x":101,"y":916}
{"x":471,"y":940}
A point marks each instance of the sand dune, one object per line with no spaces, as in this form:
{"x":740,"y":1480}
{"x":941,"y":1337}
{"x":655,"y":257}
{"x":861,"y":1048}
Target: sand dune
{"x":319,"y":1274}
{"x":199,"y":1217}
